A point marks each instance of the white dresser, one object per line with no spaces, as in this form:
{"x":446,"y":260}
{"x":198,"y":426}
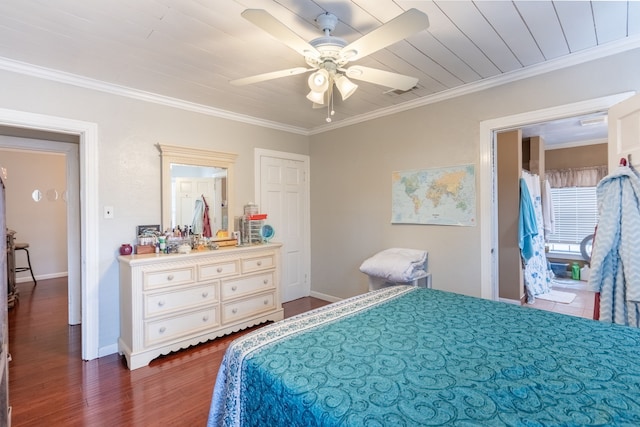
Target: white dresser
{"x":170,"y":302}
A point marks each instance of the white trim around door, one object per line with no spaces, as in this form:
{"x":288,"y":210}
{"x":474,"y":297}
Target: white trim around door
{"x":488,"y":130}
{"x":89,"y":244}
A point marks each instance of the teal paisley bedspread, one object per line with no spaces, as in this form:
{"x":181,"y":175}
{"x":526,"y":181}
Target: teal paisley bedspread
{"x":406,"y":356}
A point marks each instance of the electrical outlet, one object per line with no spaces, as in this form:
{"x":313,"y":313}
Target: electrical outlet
{"x":108,"y":212}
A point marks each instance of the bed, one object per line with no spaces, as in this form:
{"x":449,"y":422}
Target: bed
{"x":409,"y":356}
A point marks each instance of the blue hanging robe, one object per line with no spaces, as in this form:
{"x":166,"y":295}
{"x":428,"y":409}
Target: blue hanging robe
{"x":615,"y":258}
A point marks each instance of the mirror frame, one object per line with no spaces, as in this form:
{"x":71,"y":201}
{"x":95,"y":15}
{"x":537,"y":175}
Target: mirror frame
{"x":194,"y":157}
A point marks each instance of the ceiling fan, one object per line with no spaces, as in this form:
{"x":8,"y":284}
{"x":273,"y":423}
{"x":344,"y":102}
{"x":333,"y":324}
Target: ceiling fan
{"x":328,"y":55}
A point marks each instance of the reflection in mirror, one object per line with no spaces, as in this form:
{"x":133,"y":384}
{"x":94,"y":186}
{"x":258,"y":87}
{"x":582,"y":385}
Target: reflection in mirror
{"x":52,"y":195}
{"x":192,"y":177}
{"x":194,"y":188}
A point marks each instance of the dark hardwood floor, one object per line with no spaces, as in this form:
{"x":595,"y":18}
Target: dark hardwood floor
{"x":50,"y":385}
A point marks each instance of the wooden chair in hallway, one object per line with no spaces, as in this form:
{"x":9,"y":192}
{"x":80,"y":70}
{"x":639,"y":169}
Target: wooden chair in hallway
{"x":25,"y":247}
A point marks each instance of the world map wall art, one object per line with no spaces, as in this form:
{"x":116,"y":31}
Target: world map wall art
{"x":439,"y":196}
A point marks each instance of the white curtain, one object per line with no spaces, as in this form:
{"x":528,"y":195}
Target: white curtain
{"x":536,"y":270}
{"x":576,"y":177}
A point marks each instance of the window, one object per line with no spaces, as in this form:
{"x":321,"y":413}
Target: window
{"x":576,"y":215}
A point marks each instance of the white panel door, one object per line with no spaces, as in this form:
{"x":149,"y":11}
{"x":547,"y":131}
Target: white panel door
{"x":624,"y":132}
{"x":283,"y":197}
{"x":188,"y":190}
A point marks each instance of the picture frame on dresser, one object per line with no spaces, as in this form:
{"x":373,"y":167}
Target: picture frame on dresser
{"x":145,"y":229}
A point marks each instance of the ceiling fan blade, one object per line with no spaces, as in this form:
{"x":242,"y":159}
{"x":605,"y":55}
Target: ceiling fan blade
{"x":270,"y":76}
{"x":399,"y":28}
{"x":383,"y":78}
{"x":263,"y":19}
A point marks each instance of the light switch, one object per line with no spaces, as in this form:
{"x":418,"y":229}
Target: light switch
{"x":108,"y":212}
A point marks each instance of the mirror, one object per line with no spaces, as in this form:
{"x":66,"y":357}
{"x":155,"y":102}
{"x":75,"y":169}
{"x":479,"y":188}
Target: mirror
{"x":192,"y":177}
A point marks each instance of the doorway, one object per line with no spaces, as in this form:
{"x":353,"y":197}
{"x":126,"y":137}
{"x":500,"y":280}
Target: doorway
{"x":489,"y":255}
{"x":35,"y":224}
{"x":86,"y":291}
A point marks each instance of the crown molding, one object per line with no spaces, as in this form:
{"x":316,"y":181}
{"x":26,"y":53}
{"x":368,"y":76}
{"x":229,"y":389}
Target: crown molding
{"x":612,"y":48}
{"x":114,"y":89}
{"x":576,"y":144}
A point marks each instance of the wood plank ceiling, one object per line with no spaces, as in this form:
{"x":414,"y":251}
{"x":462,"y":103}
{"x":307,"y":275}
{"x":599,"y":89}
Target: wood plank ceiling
{"x":189,"y":50}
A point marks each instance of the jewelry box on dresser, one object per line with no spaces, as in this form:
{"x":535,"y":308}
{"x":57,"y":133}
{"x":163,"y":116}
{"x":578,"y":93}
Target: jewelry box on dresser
{"x":171,"y":302}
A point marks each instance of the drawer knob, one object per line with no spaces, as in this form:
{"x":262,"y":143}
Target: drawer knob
{"x":259,"y":263}
{"x":205,"y":318}
{"x":162,"y":330}
{"x":266,"y":302}
{"x":219,"y":269}
{"x":161,"y":303}
{"x":234,"y":288}
{"x":170,"y":277}
{"x":234,"y":311}
{"x":265,"y":281}
{"x":205,"y":294}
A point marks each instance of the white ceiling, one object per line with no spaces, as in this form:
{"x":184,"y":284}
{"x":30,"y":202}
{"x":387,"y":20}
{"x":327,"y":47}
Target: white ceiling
{"x":571,"y":131}
{"x":185,"y":52}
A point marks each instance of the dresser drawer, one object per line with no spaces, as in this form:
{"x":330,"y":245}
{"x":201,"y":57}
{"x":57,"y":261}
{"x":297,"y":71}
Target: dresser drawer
{"x":246,"y":285}
{"x":160,"y":279}
{"x":174,"y":327}
{"x":217,"y":270}
{"x":166,"y":302}
{"x":258,"y":263}
{"x":247,"y":307}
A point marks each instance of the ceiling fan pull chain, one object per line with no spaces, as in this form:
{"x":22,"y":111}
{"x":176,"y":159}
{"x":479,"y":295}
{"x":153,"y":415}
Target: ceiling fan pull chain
{"x":330,"y":111}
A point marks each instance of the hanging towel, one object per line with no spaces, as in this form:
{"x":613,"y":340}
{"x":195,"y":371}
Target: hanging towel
{"x":615,"y":259}
{"x":206,"y":223}
{"x":196,"y":221}
{"x":533,"y":185}
{"x":536,"y":269}
{"x":549,"y":218}
{"x":527,"y":226}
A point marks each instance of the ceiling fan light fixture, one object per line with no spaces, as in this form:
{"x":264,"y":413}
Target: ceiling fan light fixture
{"x":345,"y":86}
{"x":328,"y":55}
{"x":316,"y":97}
{"x":319,"y":81}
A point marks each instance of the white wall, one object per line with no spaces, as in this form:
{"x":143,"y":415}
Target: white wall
{"x":129,"y":165}
{"x":351,"y":174}
{"x":42,"y":224}
{"x":350,"y":168}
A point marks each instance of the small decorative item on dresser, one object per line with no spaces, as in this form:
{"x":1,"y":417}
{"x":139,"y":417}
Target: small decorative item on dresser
{"x":126,"y":249}
{"x":145,"y":249}
{"x":267,"y":232}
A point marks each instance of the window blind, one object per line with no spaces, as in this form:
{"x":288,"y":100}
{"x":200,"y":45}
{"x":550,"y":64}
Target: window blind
{"x":576,"y":213}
